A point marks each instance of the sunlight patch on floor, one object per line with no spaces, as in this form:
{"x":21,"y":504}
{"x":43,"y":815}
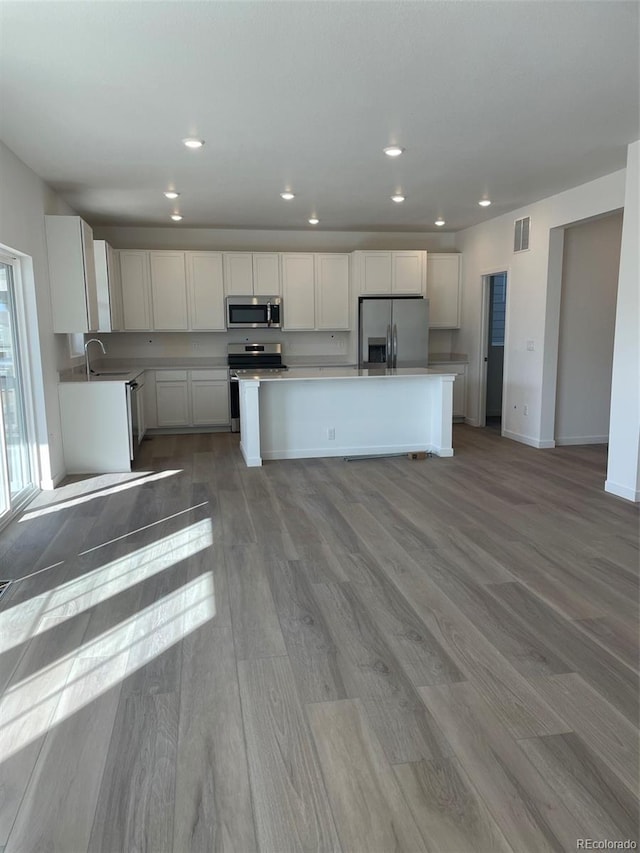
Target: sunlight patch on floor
{"x":24,"y":621}
{"x":33,"y":706}
{"x":100,"y":493}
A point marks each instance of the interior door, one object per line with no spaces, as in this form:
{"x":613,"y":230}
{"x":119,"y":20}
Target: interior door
{"x":411,"y":322}
{"x":374,"y":331}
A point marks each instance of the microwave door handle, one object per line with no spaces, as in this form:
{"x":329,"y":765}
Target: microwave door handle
{"x":268,"y":314}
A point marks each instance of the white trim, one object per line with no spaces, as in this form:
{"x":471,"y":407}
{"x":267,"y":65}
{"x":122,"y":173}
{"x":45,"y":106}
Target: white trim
{"x":581,"y":439}
{"x":50,"y":484}
{"x":529,"y":440}
{"x":359,"y":450}
{"x":622,"y":491}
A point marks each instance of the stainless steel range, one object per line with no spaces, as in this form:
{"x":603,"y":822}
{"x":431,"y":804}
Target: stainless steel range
{"x":250,"y":360}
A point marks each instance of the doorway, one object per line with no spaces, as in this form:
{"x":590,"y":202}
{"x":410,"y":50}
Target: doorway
{"x":493,"y":347}
{"x":16,"y":463}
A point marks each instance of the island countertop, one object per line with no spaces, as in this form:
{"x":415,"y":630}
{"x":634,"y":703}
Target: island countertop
{"x":324,"y":373}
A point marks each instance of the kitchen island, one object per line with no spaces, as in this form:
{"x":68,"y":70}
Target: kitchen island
{"x":305,"y":413}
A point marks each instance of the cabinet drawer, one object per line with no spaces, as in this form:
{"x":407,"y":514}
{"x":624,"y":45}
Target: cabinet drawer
{"x":214,"y":375}
{"x":171,"y":375}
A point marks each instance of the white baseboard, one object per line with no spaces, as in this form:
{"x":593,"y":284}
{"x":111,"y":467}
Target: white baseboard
{"x":529,"y":440}
{"x":49,"y":484}
{"x":380,"y":450}
{"x":619,"y":491}
{"x":252,"y":461}
{"x":582,"y":439}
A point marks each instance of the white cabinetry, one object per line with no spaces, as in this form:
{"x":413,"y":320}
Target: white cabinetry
{"x":209,"y":398}
{"x":390,"y":272}
{"x":298,"y":291}
{"x":332,"y":292}
{"x":108,"y":286}
{"x":252,"y":273}
{"x":444,"y":291}
{"x":205,"y":291}
{"x":168,"y":291}
{"x":459,"y":386}
{"x":172,"y":398}
{"x":72,"y":274}
{"x":136,"y":290}
{"x":315,"y":291}
{"x":192,"y":398}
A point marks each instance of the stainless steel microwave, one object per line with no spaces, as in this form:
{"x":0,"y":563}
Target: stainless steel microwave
{"x":254,"y":312}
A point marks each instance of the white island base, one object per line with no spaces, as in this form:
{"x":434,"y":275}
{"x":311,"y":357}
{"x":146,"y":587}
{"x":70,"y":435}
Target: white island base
{"x":303,"y":414}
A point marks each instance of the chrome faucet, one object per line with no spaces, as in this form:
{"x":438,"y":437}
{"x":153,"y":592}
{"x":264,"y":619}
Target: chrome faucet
{"x":86,"y":354}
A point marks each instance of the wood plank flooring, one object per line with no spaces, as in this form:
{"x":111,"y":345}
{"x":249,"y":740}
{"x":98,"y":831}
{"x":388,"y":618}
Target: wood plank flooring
{"x":382,"y":656}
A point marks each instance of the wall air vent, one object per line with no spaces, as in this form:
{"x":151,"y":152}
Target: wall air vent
{"x":521,"y":234}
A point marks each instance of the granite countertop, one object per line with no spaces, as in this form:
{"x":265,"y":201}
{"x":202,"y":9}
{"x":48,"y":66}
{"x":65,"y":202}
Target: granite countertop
{"x":317,"y":361}
{"x":448,"y":358}
{"x":304,"y":373}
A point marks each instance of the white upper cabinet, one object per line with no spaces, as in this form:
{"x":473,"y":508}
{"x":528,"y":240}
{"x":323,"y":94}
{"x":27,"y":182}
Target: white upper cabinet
{"x":238,"y":273}
{"x":375,"y":272}
{"x":298,"y":291}
{"x":315,"y":291}
{"x":444,"y":290}
{"x":390,"y":272}
{"x":136,"y":290}
{"x":332,"y":292}
{"x":408,"y":272}
{"x":168,"y":291}
{"x":266,"y":274}
{"x":72,"y":274}
{"x":108,"y":287}
{"x":252,"y":273}
{"x":205,"y":291}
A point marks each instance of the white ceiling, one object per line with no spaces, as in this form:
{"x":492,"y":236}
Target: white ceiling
{"x":516,"y":100}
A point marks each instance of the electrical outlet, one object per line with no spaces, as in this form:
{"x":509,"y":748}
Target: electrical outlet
{"x":331,"y":433}
{"x":531,"y":346}
{"x":525,"y":410}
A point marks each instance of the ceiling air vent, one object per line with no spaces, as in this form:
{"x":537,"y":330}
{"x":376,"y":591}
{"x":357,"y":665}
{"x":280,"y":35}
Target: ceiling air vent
{"x":521,"y":234}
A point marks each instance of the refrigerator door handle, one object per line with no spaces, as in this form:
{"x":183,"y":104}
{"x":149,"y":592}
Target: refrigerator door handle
{"x":389,"y":347}
{"x":395,"y":346}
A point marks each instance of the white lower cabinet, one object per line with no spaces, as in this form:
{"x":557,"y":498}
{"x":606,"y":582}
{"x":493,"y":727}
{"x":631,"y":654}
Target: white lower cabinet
{"x":192,"y":398}
{"x":459,"y":386}
{"x":172,"y":397}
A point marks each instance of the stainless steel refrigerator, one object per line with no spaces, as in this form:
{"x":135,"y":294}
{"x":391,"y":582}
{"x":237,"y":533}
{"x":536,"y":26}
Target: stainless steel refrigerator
{"x":393,"y":331}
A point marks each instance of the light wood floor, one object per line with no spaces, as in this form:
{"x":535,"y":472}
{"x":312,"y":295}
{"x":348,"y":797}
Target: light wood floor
{"x":377,"y":656}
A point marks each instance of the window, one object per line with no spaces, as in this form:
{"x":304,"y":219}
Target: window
{"x":497,"y":309}
{"x":16,"y":466}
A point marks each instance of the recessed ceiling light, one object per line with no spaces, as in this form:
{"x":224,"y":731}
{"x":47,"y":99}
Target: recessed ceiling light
{"x":393,"y":151}
{"x":313,"y":220}
{"x":287,"y":196}
{"x":398,"y":198}
{"x":192,"y":142}
{"x":176,"y":217}
{"x":171,"y":194}
{"x":439,"y":222}
{"x":484,"y":202}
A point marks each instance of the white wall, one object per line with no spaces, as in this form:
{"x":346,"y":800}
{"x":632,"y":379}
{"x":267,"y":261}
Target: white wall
{"x":623,"y":473}
{"x":587,"y":323}
{"x":218,"y":239}
{"x":532,"y":305}
{"x":24,"y":200}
